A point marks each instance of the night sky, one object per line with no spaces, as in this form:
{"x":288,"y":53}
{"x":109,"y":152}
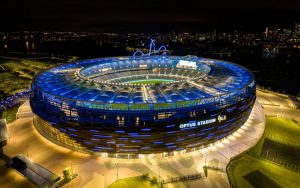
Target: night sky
{"x":147,"y":16}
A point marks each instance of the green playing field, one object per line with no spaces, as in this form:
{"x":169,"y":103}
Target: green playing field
{"x":148,"y":81}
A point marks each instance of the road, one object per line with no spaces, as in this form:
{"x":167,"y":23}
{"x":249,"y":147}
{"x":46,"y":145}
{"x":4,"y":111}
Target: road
{"x":275,"y":104}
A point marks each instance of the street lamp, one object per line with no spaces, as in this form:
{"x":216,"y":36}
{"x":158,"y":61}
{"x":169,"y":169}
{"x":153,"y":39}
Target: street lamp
{"x":71,"y":164}
{"x":117,"y":166}
{"x":205,"y":153}
{"x":159,"y":165}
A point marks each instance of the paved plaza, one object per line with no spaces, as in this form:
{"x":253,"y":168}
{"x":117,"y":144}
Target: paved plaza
{"x":275,"y":104}
{"x":101,"y":171}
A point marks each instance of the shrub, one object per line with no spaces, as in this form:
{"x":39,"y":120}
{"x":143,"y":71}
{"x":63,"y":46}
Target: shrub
{"x":144,"y":176}
{"x":153,"y":180}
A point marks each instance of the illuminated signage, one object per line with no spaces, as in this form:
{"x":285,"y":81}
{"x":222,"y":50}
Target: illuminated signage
{"x":143,"y":66}
{"x":251,"y":84}
{"x":186,"y":64}
{"x":221,"y":118}
{"x":192,"y":124}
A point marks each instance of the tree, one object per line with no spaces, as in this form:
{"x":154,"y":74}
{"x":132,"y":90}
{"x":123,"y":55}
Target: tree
{"x":67,"y":174}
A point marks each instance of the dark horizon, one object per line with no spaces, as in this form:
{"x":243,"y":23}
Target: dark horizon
{"x":151,"y":17}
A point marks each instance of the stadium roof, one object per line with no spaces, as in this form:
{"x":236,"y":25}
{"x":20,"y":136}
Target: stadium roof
{"x":107,"y":80}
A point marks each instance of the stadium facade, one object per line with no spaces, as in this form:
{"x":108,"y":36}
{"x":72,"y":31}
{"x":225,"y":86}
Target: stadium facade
{"x":141,"y":104}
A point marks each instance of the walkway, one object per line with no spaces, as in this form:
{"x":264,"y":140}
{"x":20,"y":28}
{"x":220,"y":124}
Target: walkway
{"x":101,"y":171}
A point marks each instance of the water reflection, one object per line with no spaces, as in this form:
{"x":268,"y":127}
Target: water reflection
{"x":32,"y":46}
{"x":27,"y":46}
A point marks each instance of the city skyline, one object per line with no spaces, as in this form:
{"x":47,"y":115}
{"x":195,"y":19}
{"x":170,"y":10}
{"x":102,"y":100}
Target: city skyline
{"x":154,"y":16}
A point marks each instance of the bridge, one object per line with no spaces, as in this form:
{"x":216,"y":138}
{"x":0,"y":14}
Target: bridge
{"x":152,"y":50}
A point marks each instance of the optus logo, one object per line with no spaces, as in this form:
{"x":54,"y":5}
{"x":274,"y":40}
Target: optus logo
{"x":221,"y":118}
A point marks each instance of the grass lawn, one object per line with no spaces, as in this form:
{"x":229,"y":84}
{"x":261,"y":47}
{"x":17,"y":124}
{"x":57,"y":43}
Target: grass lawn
{"x":251,"y":162}
{"x":148,"y":81}
{"x":12,"y":83}
{"x":10,"y":114}
{"x":255,"y":152}
{"x":17,"y":75}
{"x":248,"y":164}
{"x":132,"y":182}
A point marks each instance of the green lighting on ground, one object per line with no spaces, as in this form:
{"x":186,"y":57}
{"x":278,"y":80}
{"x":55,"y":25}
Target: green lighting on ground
{"x":136,"y":182}
{"x":279,"y":130}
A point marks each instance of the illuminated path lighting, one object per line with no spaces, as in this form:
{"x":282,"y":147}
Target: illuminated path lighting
{"x":88,"y":166}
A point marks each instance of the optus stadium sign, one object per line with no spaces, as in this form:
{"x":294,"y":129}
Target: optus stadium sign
{"x":193,"y":124}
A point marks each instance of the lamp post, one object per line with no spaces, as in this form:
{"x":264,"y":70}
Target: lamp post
{"x":117,"y":166}
{"x":71,"y":167}
{"x":205,"y":152}
{"x":159,"y":165}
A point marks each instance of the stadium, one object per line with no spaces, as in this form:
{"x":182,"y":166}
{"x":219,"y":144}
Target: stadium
{"x":148,"y":104}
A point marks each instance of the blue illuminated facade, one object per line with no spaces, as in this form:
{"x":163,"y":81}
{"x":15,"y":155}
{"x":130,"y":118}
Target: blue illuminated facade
{"x":92,"y":105}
